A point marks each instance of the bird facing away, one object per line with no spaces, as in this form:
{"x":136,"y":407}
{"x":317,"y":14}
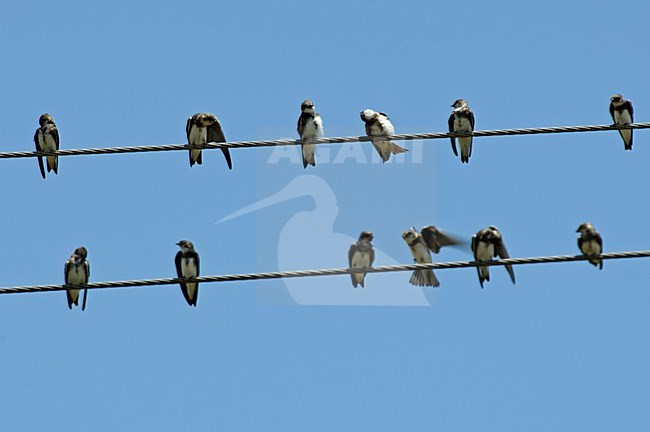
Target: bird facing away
{"x":462,"y":120}
{"x":361,"y":255}
{"x":203,"y":128}
{"x":46,"y":139}
{"x":622,"y":114}
{"x":310,"y":126}
{"x":590,"y":243}
{"x":187,"y":267}
{"x":378,"y":125}
{"x":420,"y":250}
{"x":486,"y":244}
{"x":77,"y":273}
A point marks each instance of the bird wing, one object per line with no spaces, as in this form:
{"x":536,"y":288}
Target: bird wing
{"x":471,"y":122}
{"x":215,"y":134}
{"x":436,"y":239}
{"x":599,"y":240}
{"x":451,"y":129}
{"x":38,"y":148}
{"x":179,"y":271}
{"x":631,"y":110}
{"x":611,"y":112}
{"x":502,"y":252}
{"x":474,"y":246}
{"x":87,"y":267}
{"x":188,"y":127}
{"x":351,"y":251}
{"x":198,"y":263}
{"x":55,"y":134}
{"x":301,"y":126}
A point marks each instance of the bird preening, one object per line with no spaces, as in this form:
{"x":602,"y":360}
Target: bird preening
{"x":46,"y":139}
{"x":77,"y":274}
{"x":203,"y":128}
{"x":486,"y":245}
{"x":590,"y":243}
{"x":379,"y":125}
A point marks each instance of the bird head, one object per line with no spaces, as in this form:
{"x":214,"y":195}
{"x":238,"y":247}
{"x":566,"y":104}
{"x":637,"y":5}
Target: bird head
{"x":367,"y":115}
{"x":584,"y":228}
{"x":410,"y":236}
{"x":185,"y":245}
{"x":46,"y":119}
{"x":459,"y":103}
{"x":366,"y":235}
{"x":307,"y":106}
{"x":617,"y":99}
{"x":79,"y":255}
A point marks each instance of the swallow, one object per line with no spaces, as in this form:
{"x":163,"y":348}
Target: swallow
{"x":46,"y":139}
{"x":378,"y":125}
{"x":77,"y":273}
{"x":622,"y":114}
{"x":590,"y":243}
{"x":486,"y":244}
{"x":421,"y":254}
{"x":203,"y":128}
{"x":310,"y":126}
{"x":361,"y":255}
{"x":187,"y":267}
{"x":462,"y":120}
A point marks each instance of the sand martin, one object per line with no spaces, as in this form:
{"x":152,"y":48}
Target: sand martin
{"x":310,"y":126}
{"x":361,"y":255}
{"x":46,"y":139}
{"x":462,"y":120}
{"x":378,"y":124}
{"x":203,"y":128}
{"x":187,"y":267}
{"x":622,"y":114}
{"x":77,"y":273}
{"x":420,"y":250}
{"x":590,"y":243}
{"x":486,"y":244}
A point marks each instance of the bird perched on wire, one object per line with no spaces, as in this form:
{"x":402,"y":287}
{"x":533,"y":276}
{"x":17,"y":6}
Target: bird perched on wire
{"x":378,"y":125}
{"x":77,"y":273}
{"x":421,"y":244}
{"x":46,"y":139}
{"x":310,"y":126}
{"x":622,"y":114}
{"x":486,"y":244}
{"x":361,"y":255}
{"x":590,"y":243}
{"x":462,"y":120}
{"x":203,"y":128}
{"x":188,"y":267}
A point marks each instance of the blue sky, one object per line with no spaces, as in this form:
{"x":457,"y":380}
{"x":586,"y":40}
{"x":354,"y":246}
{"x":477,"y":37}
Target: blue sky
{"x":564,"y":349}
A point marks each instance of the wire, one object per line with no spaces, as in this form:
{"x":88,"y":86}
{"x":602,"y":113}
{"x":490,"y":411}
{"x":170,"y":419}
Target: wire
{"x":332,"y":140}
{"x":325,"y":272}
